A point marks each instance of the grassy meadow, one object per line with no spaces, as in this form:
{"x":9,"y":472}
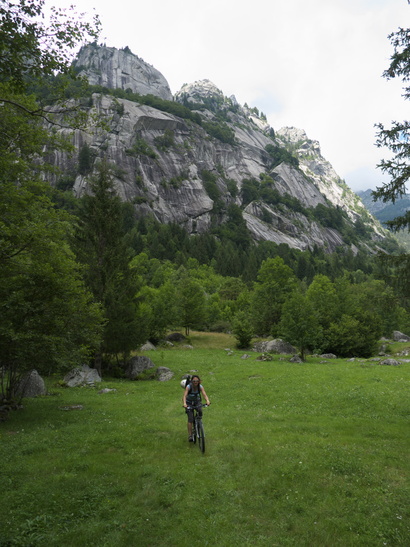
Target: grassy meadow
{"x":312,"y":454}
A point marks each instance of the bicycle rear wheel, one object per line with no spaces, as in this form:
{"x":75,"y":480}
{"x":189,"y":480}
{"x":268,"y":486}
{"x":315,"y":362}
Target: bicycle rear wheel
{"x":194,"y":431}
{"x":200,"y":435}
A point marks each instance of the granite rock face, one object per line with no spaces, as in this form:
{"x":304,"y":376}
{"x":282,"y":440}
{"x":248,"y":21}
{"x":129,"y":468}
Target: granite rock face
{"x":121,"y":69}
{"x":187,"y":159}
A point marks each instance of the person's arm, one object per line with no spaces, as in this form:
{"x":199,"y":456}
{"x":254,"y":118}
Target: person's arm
{"x":186,"y":391}
{"x":208,"y":402}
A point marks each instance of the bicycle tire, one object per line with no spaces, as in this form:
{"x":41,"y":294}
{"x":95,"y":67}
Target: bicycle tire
{"x":201,"y":436}
{"x":194,"y":431}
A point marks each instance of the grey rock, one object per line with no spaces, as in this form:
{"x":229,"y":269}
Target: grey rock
{"x":400,"y":337}
{"x":121,"y":69}
{"x":169,"y":184}
{"x":176,"y":337}
{"x":136,"y":365}
{"x":274,"y":346}
{"x":148,"y":347}
{"x":82,"y":376}
{"x":32,"y":385}
{"x":295,"y":359}
{"x":328,"y":356}
{"x":164,"y":374}
{"x":390,"y":362}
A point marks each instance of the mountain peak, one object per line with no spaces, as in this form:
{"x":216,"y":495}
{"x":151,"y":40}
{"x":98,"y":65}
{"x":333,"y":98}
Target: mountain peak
{"x":121,"y":69}
{"x":199,"y":92}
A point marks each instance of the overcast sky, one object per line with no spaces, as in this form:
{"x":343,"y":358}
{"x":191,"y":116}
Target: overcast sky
{"x":316,"y":65}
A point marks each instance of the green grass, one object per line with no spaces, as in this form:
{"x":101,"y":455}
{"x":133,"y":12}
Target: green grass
{"x":313,"y":454}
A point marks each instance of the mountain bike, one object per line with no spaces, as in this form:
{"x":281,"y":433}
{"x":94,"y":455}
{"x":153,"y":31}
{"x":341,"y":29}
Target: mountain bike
{"x":198,"y":432}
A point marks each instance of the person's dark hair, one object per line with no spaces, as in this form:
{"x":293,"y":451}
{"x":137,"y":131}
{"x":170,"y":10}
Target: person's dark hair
{"x":195,"y":376}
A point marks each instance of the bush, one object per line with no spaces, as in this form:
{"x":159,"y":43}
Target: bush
{"x":242,"y":330}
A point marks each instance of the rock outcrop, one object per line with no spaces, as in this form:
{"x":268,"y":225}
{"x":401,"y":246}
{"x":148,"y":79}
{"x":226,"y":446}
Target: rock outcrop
{"x":186,"y":159}
{"x":120,"y":69}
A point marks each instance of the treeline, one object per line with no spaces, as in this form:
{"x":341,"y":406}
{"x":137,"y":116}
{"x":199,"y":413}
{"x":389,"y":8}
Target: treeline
{"x":222,"y":281}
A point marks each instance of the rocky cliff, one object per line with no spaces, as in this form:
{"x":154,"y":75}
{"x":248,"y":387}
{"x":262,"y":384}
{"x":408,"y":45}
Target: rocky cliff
{"x":186,"y":158}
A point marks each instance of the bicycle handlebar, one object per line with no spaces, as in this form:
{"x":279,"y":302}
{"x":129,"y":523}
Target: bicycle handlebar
{"x":193,"y":407}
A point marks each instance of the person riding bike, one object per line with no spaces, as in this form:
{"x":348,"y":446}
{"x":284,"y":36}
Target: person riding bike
{"x":192,"y":398}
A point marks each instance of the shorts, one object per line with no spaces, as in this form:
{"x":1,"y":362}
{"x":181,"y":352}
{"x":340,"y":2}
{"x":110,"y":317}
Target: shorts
{"x":191,"y":412}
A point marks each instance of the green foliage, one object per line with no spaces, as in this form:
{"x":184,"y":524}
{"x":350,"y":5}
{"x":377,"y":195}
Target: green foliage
{"x":191,"y":301}
{"x":101,"y":246}
{"x":355,"y":336}
{"x":330,"y":217}
{"x":211,"y":187}
{"x":242,"y":330}
{"x":32,"y":47}
{"x":250,"y":191}
{"x":279,"y":155}
{"x":47,"y":317}
{"x":141,"y":148}
{"x":84,"y":160}
{"x":165,"y":141}
{"x":395,"y":138}
{"x":46,"y":314}
{"x":323,"y":297}
{"x":220,"y":131}
{"x":276,"y":282}
{"x":299,"y":324}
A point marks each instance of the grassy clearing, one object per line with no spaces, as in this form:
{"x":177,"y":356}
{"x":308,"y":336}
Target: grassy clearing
{"x":301,"y":455}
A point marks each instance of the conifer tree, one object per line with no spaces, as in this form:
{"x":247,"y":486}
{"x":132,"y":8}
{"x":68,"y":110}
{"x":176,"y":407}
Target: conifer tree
{"x":101,"y":246}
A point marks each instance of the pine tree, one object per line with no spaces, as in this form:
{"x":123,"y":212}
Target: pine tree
{"x":101,"y":246}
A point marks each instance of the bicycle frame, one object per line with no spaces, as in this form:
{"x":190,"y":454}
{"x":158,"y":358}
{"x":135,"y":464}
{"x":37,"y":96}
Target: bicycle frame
{"x":197,"y":427}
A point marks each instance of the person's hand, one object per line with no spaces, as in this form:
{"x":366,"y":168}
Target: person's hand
{"x":208,"y":403}
{"x":185,"y":406}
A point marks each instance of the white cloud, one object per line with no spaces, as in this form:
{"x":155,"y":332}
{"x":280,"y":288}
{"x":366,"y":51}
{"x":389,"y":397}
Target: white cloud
{"x":316,"y":65}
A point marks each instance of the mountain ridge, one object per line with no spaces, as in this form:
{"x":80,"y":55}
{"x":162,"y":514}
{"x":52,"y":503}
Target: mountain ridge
{"x":187,"y":160}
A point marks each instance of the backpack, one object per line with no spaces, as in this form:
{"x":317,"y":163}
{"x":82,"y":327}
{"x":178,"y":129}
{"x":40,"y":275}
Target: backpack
{"x":185,"y":381}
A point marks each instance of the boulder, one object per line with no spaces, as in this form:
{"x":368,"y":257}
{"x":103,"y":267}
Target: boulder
{"x":390,"y":362}
{"x":274,"y":346}
{"x":328,"y":356}
{"x":400,"y":337}
{"x":295,"y":359}
{"x":32,"y":385}
{"x":164,"y":374}
{"x":82,"y":376}
{"x":148,"y":347}
{"x":137,"y":365}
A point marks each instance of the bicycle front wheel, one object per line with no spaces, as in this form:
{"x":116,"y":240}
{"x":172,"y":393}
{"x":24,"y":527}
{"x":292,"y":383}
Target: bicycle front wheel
{"x":201,"y":436}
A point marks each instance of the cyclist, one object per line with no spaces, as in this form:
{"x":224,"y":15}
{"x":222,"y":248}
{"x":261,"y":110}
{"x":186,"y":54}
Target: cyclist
{"x":192,"y":398}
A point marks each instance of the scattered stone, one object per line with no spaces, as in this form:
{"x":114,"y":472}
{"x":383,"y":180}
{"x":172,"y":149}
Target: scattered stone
{"x":107,"y":390}
{"x":136,"y":365}
{"x":148,"y":347}
{"x":245,"y":356}
{"x":188,"y":346}
{"x":32,"y":385}
{"x":164,"y":374}
{"x":328,"y":356}
{"x":274,"y":346}
{"x":390,"y":362}
{"x":295,"y":359}
{"x":265,"y":357}
{"x":82,"y":376}
{"x":400,"y":337}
